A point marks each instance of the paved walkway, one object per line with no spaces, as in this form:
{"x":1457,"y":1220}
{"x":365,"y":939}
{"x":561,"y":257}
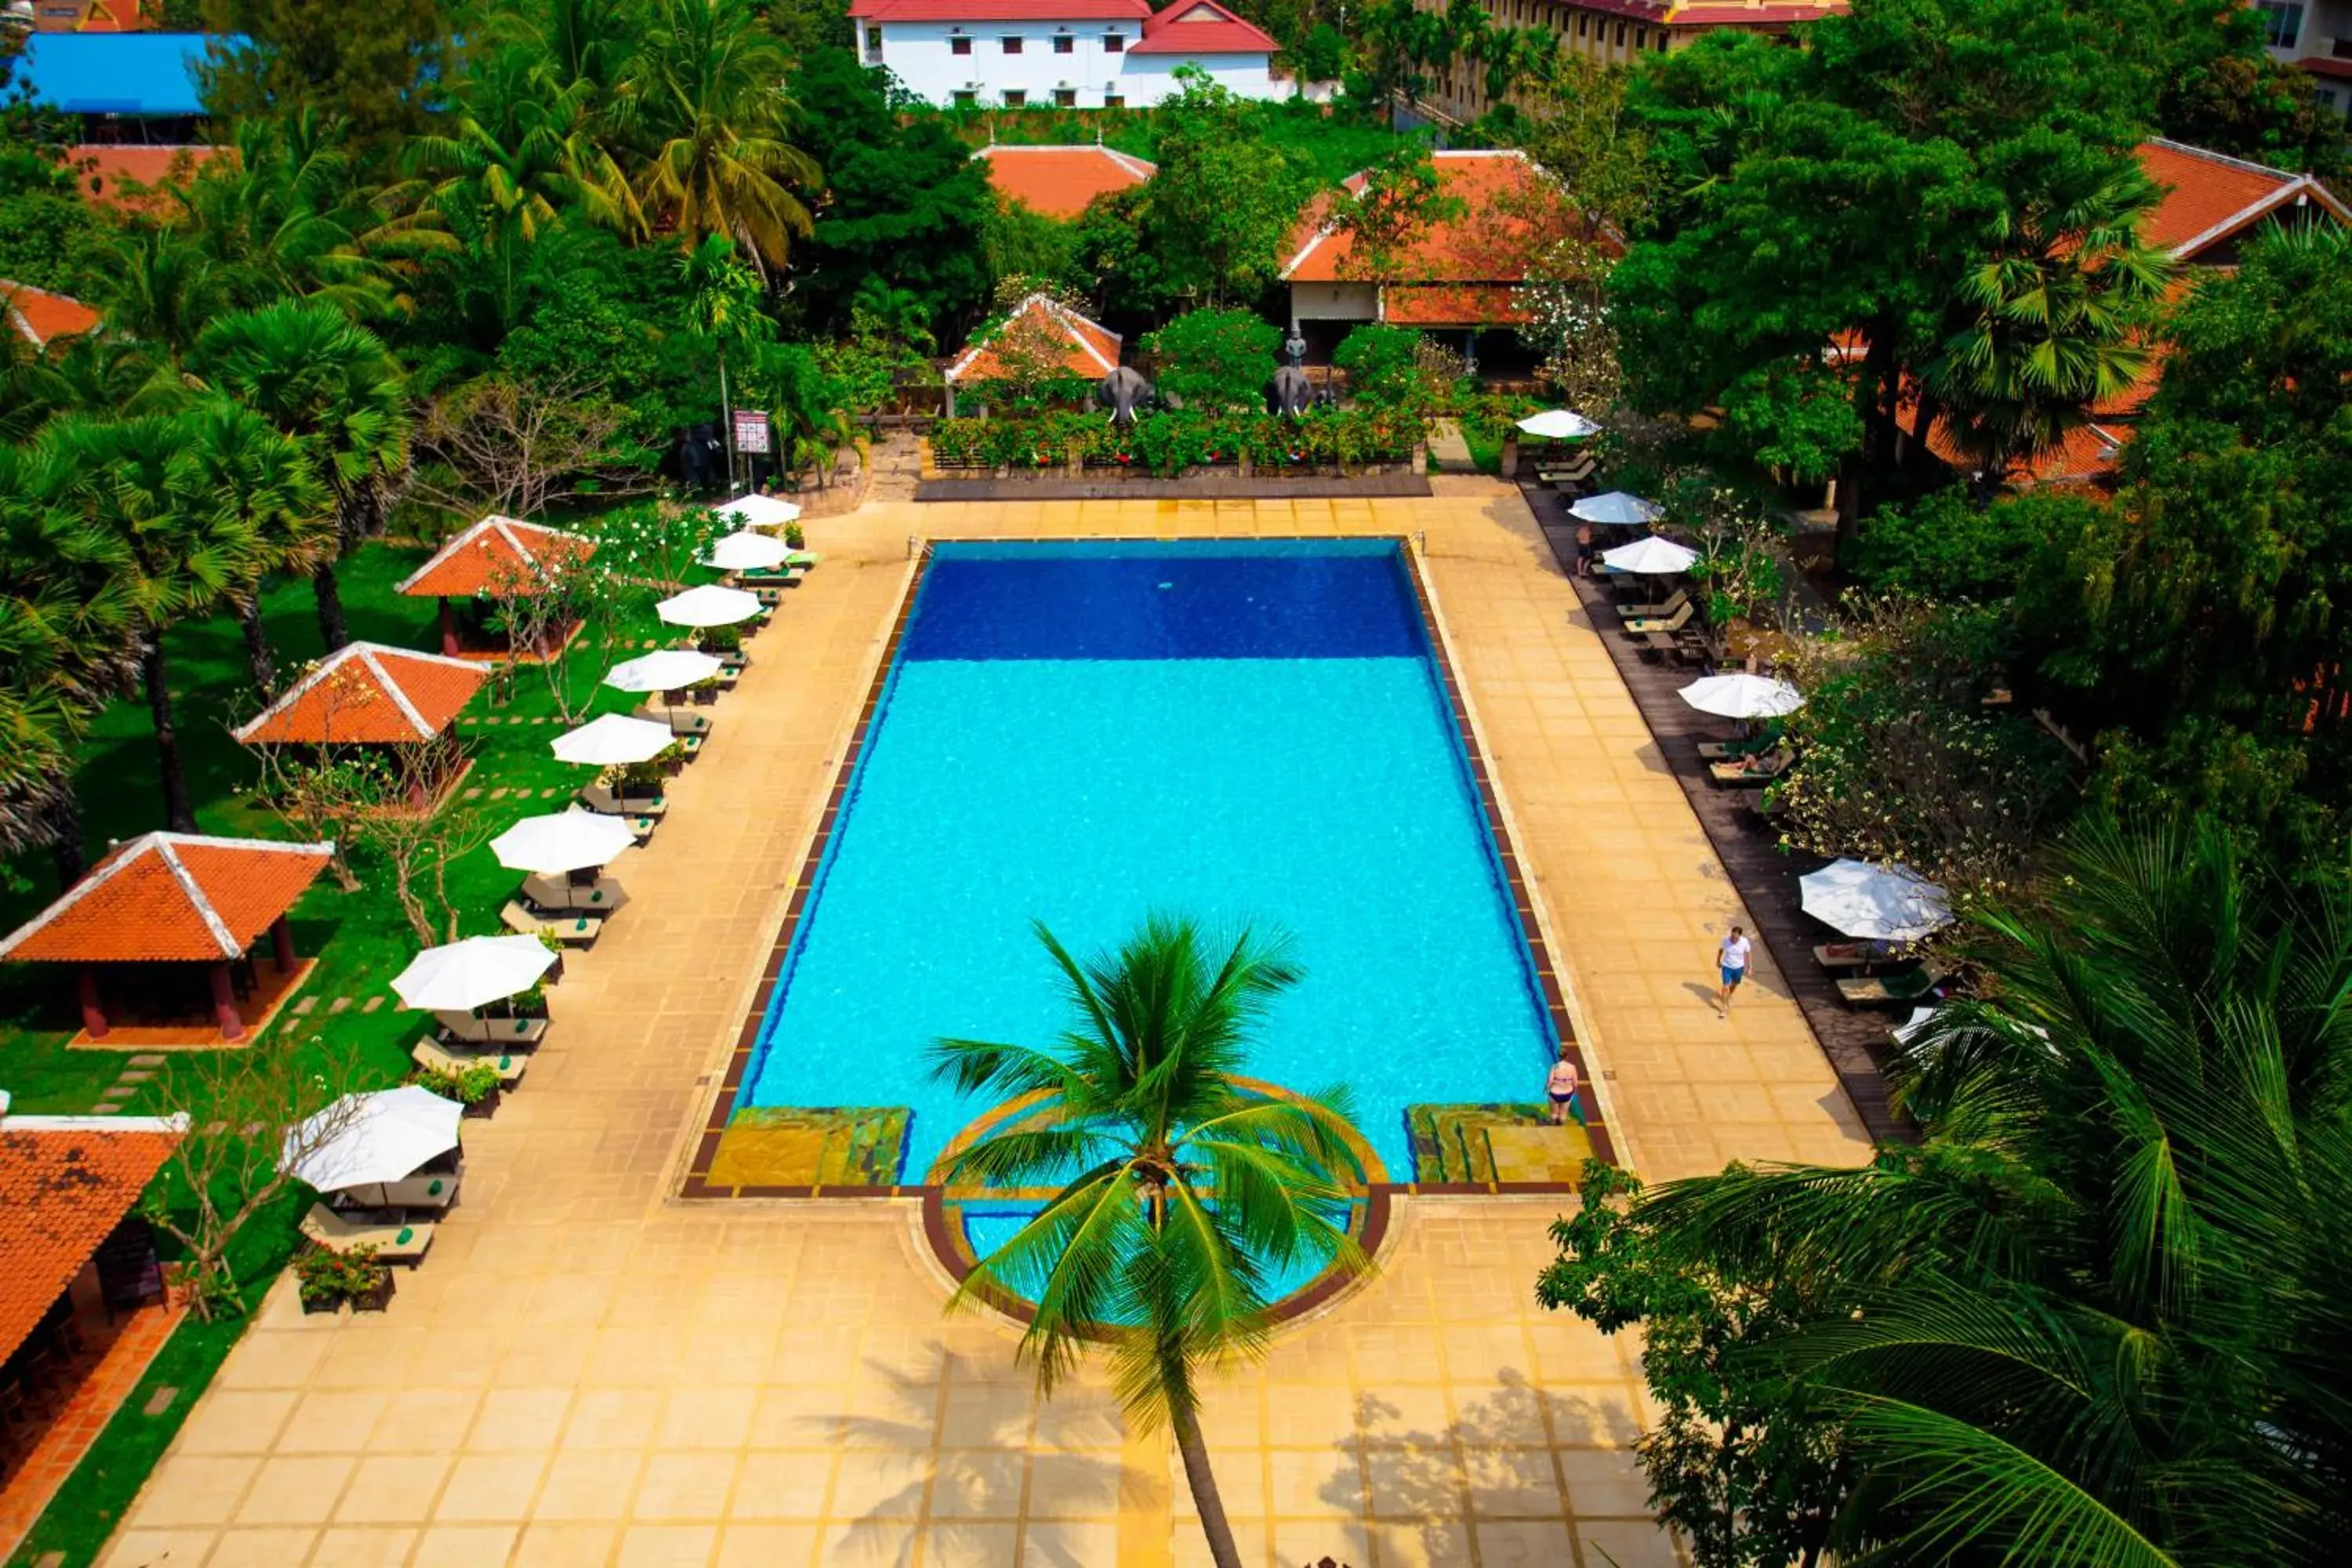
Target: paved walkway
{"x":586,"y":1371}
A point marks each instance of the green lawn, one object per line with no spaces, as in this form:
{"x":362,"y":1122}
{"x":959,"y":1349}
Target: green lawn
{"x":359,"y":939}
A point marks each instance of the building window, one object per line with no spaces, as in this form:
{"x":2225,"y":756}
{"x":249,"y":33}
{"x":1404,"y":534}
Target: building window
{"x":1113,"y":100}
{"x":1662,"y":40}
{"x":1064,"y":44}
{"x":1583,"y":26}
{"x":1620,"y":35}
{"x":959,"y":45}
{"x":1015,"y":98}
{"x":1114,"y":42}
{"x":1012,"y":45}
{"x":1641,"y":38}
{"x":2281,"y":23}
{"x":873,"y":40}
{"x":967,"y":100}
{"x":1066,"y":98}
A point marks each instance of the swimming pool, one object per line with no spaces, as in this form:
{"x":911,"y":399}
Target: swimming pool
{"x":1080,"y":733}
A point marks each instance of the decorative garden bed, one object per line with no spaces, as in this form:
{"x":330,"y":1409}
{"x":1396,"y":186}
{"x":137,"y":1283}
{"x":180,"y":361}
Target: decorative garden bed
{"x":1179,"y":444}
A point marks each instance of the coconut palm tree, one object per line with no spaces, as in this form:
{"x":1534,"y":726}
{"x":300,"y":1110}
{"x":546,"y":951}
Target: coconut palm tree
{"x":283,"y":218}
{"x":243,"y":464}
{"x":2097,"y":1315}
{"x":181,"y":547}
{"x":2052,"y":319}
{"x":1182,"y":1185}
{"x":331,"y":386}
{"x":159,"y":289}
{"x":709,"y":99}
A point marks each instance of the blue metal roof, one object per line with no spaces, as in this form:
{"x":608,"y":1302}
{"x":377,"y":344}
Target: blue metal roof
{"x":114,"y":73}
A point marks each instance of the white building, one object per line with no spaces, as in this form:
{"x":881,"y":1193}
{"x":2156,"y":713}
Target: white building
{"x":2315,"y":36}
{"x":1067,"y":54}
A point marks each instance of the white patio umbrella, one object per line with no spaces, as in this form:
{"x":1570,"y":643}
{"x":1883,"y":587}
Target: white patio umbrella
{"x":760,"y":511}
{"x":1742,"y":696}
{"x":562,"y":841}
{"x":709,"y":606}
{"x":1908,"y":1029}
{"x":1617,"y":507}
{"x":612,"y":739}
{"x":668,"y":669}
{"x":747,"y":552}
{"x":1883,"y":903}
{"x":472,"y":972}
{"x":364,"y":1139}
{"x":1653,"y":555}
{"x":1558,"y":424}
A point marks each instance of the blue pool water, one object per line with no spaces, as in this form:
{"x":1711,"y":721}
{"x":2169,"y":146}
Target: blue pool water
{"x":1083,"y":734}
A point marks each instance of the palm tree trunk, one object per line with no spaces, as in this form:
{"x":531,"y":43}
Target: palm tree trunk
{"x":61,"y":820}
{"x":1206,"y":1499}
{"x":258,"y":656}
{"x":179,"y":811}
{"x":332,"y":629}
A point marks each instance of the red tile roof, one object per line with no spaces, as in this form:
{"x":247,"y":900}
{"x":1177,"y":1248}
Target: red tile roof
{"x":108,"y":171}
{"x":65,"y":1183}
{"x":1444,"y":305}
{"x":366,"y":693}
{"x":1200,"y":28}
{"x":1000,"y":10}
{"x":497,"y":555}
{"x":44,"y":317}
{"x":1728,"y":14}
{"x":170,"y":896}
{"x":1511,"y":209}
{"x":1060,"y":181}
{"x":1093,"y":350}
{"x":2209,"y":196}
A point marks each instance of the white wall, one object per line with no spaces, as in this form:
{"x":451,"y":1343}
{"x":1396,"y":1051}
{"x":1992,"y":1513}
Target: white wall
{"x":1347,"y":301}
{"x":921,"y":56}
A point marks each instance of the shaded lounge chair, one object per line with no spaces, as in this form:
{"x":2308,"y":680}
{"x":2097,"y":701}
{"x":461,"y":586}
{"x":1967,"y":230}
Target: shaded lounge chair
{"x":433,"y":1191}
{"x":473,"y":1029}
{"x":1642,"y":626}
{"x":580,"y":929}
{"x":553,"y":895}
{"x":1904,"y":986}
{"x":341,"y":1233}
{"x":642,"y":814}
{"x":1752,"y":773}
{"x":1857,"y":954}
{"x":438,"y":1057}
{"x":1732,"y":750}
{"x":681,"y":721}
{"x":1665,"y":608}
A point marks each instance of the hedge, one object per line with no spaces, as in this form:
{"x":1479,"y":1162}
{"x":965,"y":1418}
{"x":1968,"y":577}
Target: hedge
{"x":1168,"y":442}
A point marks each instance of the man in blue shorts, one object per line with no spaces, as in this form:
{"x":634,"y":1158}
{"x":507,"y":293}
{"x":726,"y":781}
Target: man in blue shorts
{"x":1732,"y":959}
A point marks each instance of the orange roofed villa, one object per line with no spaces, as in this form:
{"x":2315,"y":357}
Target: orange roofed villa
{"x":1060,"y":182}
{"x":2210,"y":205}
{"x":42,"y":318}
{"x":1063,"y":342}
{"x":1459,"y":277}
{"x":380,"y":700}
{"x":161,"y":934}
{"x":497,"y":558}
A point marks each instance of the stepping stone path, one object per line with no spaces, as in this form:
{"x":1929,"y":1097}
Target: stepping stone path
{"x":161,"y":1400}
{"x":339,"y":1005}
{"x":302,"y":1008}
{"x":137,"y":1071}
{"x":373,"y":1003}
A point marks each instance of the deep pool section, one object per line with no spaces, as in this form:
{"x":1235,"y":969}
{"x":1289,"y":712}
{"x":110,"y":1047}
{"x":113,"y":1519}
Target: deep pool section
{"x":1081,"y":734}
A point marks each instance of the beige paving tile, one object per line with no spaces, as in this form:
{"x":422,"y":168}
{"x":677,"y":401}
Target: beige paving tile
{"x":362,"y":1546}
{"x":391,"y":1488}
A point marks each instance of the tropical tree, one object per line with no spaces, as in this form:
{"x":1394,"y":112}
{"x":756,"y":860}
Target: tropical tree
{"x":1182,"y":1186}
{"x":283,"y":217}
{"x":247,"y":467}
{"x":722,"y":306}
{"x":331,"y":386}
{"x":181,"y":547}
{"x":708,"y":98}
{"x":161,"y":290}
{"x":2095,"y":1315}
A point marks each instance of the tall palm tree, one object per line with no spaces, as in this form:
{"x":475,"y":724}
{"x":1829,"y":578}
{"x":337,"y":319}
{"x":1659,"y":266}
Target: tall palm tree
{"x":159,"y":288}
{"x":331,"y":386}
{"x":240,"y":462}
{"x":710,"y":100}
{"x":1181,"y":1183}
{"x":284,"y":218}
{"x":2097,"y":1316}
{"x":181,"y":550}
{"x":2052,"y":319}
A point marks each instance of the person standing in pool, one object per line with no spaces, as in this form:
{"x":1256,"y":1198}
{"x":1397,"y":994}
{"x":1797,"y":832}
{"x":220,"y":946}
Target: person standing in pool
{"x":1561,"y":1087}
{"x":1732,"y":959}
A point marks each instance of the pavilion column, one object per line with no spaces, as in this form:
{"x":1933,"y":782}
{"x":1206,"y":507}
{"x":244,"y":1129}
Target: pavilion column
{"x":281,"y":944}
{"x":232,"y":1022}
{"x":448,"y":628}
{"x":93,"y":1012}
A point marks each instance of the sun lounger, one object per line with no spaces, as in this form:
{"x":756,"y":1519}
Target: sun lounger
{"x":1905,"y":985}
{"x":459,"y":1059}
{"x":553,"y":895}
{"x":681,"y":721}
{"x":475,"y":1030}
{"x":1855,"y":954}
{"x":432,"y":1191}
{"x":1731,"y":751}
{"x":582,"y":929}
{"x":1752,"y":770}
{"x":1642,"y":625}
{"x":601,"y":797}
{"x":1659,"y":611}
{"x":341,"y":1233}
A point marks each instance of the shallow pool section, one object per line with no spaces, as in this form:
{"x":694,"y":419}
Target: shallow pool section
{"x":1080,"y":733}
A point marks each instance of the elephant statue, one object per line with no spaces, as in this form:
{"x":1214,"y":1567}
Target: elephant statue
{"x":1292,"y":391}
{"x":1125,"y":392}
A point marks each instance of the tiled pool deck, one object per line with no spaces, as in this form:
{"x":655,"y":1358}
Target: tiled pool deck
{"x":589,"y":1370}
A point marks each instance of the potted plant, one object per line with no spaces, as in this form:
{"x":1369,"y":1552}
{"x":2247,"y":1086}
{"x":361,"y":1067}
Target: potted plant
{"x":554,"y":972}
{"x":727,"y":642}
{"x":530,"y":1003}
{"x":794,"y":539}
{"x":474,"y":1087}
{"x":325,"y":1280}
{"x":705,"y":692}
{"x":633,"y":779}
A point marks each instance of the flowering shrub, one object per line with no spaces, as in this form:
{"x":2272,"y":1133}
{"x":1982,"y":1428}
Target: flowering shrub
{"x":1170,"y":442}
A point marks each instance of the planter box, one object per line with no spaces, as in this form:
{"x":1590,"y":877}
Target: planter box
{"x":314,"y":1309}
{"x":377,"y":1300}
{"x":485,"y":1107}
